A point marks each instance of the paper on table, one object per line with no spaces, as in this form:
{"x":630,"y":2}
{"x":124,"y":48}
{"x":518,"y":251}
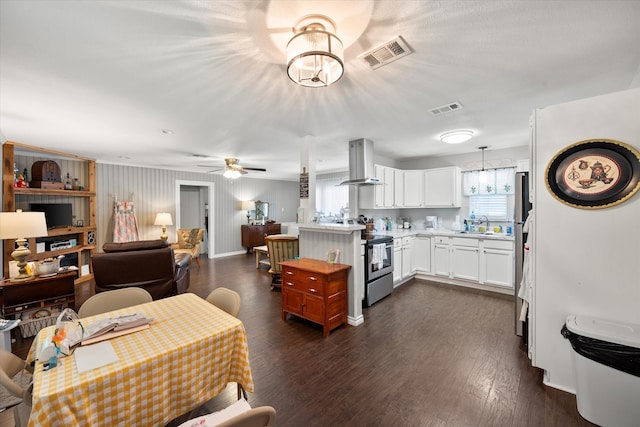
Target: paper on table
{"x":94,"y":356}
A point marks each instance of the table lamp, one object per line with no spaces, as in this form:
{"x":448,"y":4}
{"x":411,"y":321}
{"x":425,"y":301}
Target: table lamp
{"x":248,"y":206}
{"x":163,"y":219}
{"x":20,"y":225}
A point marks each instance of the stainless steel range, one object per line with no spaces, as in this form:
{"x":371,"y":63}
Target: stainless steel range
{"x":378,"y":267}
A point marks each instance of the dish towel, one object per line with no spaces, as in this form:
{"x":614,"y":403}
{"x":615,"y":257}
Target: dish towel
{"x":379,"y":254}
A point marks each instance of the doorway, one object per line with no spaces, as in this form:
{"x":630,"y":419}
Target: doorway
{"x":194,"y":207}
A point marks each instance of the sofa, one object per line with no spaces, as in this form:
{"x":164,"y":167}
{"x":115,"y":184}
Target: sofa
{"x":148,"y":264}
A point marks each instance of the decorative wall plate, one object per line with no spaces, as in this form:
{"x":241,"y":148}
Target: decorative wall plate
{"x":594,"y":174}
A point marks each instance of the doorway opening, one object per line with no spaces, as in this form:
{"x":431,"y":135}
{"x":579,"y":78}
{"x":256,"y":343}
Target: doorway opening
{"x":194,"y":209}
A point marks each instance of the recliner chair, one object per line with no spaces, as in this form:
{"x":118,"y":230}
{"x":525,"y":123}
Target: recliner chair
{"x":147,"y":264}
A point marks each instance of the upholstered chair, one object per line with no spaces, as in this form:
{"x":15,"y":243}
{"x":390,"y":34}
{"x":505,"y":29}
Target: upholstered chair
{"x":189,"y":240}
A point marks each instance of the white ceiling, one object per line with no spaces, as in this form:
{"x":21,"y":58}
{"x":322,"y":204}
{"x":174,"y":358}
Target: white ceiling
{"x":103,"y":78}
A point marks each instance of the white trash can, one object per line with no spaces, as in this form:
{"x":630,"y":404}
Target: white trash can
{"x":606,"y":359}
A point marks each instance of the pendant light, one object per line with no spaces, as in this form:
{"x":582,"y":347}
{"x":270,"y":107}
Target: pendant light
{"x":482,"y":176}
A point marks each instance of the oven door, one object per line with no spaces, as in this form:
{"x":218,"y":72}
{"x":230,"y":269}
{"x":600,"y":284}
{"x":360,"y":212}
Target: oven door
{"x":382,"y":264}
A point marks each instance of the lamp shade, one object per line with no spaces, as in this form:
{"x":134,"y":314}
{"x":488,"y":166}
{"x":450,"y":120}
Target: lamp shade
{"x":247,"y":205}
{"x":163,"y":218}
{"x":19,"y":225}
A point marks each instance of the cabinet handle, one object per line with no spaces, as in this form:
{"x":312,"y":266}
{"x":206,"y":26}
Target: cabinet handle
{"x":313,"y":290}
{"x":312,"y":278}
{"x":289,"y":284}
{"x":290,"y":273}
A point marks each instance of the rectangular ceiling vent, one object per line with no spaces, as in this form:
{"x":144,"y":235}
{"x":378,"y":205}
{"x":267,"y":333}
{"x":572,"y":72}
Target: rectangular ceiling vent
{"x":386,"y":53}
{"x":453,"y":106}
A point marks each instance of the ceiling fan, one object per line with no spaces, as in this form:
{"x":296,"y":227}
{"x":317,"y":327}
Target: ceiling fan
{"x":233,"y":170}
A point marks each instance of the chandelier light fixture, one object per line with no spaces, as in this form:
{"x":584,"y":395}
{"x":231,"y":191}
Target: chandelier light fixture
{"x":314,"y":54}
{"x":456,"y":136}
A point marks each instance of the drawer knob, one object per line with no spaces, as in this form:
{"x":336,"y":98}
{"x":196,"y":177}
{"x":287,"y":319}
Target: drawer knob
{"x":289,"y":284}
{"x":313,"y":290}
{"x":312,"y":278}
{"x":290,"y":272}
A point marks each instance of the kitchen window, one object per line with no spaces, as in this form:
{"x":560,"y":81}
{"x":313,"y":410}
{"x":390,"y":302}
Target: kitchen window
{"x":488,"y":192}
{"x":331,"y":197}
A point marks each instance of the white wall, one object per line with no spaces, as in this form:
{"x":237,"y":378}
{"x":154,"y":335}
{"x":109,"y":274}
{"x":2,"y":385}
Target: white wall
{"x":586,"y":262}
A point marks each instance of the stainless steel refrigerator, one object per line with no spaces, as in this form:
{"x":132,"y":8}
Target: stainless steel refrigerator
{"x":522,"y":208}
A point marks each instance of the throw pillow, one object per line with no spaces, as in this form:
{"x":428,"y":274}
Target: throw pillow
{"x":192,"y":239}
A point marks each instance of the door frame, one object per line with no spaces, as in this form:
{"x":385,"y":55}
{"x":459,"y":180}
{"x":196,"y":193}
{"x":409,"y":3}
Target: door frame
{"x":211,"y":192}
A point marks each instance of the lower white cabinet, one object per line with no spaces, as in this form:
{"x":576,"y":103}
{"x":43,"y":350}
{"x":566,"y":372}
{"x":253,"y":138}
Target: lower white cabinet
{"x":422,"y":254}
{"x":397,"y":260}
{"x":464,"y":259}
{"x":441,"y":256}
{"x":498,"y":263}
{"x":407,"y":256}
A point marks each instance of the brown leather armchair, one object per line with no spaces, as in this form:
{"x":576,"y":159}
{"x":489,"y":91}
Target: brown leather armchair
{"x":147,"y":264}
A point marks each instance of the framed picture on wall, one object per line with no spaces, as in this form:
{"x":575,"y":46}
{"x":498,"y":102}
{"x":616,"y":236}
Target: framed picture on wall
{"x":594,"y":174}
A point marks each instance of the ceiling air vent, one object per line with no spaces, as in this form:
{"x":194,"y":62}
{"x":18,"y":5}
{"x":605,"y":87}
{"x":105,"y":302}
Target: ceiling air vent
{"x":447,"y":108}
{"x":386,"y":53}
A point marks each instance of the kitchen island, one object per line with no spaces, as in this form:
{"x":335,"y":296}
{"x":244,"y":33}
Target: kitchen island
{"x":317,"y":239}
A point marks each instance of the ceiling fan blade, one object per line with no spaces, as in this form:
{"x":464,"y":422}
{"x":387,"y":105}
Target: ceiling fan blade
{"x":254,"y":169}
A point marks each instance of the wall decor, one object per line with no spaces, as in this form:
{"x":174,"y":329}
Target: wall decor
{"x":594,"y":174}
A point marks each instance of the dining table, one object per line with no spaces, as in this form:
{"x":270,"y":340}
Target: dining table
{"x":187,"y":356}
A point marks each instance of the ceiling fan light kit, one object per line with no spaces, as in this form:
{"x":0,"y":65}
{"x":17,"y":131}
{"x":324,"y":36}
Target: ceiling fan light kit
{"x":456,"y":136}
{"x":315,"y":55}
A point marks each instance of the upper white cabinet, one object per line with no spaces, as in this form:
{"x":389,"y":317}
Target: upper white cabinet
{"x":382,"y":195}
{"x":442,"y":188}
{"x":398,"y":188}
{"x":413,"y":188}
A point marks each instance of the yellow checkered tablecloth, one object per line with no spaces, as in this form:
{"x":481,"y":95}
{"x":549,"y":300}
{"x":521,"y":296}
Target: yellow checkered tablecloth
{"x":187,"y":356}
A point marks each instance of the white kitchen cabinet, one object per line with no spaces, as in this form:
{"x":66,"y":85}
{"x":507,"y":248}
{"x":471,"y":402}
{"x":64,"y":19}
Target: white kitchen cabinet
{"x":422,"y":254}
{"x":398,"y":188}
{"x":407,"y":256}
{"x":413,"y":188}
{"x":465,"y":262}
{"x":381,"y":195}
{"x":498,"y":262}
{"x":442,"y":188}
{"x":441,"y":256}
{"x":397,"y":260}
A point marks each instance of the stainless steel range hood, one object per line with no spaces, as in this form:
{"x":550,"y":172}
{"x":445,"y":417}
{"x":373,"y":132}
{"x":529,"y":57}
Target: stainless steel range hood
{"x":361,"y":163}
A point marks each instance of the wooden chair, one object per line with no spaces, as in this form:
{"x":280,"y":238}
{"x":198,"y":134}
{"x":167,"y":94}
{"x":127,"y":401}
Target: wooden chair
{"x":113,"y":300}
{"x":187,"y":244}
{"x":225,"y":299}
{"x":17,"y":381}
{"x":281,"y":247}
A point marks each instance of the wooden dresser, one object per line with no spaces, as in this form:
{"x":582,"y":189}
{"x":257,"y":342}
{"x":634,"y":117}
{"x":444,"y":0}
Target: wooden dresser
{"x":315,"y":290}
{"x":253,"y":235}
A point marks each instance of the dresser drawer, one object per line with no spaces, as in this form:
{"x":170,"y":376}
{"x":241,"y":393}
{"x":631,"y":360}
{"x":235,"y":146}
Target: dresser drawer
{"x":303,"y":276}
{"x":308,"y":288}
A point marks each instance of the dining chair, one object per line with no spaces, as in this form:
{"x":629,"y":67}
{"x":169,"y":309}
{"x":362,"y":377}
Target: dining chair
{"x":238,"y":414}
{"x":225,"y":299}
{"x":281,"y":247}
{"x":113,"y":300}
{"x":189,"y":240}
{"x":17,"y":381}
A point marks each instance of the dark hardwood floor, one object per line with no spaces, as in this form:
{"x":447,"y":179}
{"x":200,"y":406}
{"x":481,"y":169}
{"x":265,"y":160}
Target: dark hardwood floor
{"x":428,"y":355}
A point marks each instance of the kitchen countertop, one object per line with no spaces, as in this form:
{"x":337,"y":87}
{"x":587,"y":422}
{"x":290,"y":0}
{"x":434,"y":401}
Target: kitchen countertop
{"x":418,"y":232}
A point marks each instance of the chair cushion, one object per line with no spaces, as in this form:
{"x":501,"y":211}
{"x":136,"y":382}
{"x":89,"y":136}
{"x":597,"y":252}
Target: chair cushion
{"x":134,"y":246}
{"x":188,"y":238}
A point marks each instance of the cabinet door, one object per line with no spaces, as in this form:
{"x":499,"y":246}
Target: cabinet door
{"x":441,"y":257}
{"x":313,"y":308}
{"x":498,"y":267}
{"x":398,"y":188}
{"x":292,"y":301}
{"x":442,"y":187}
{"x":465,"y":263}
{"x":388,"y":187}
{"x":413,"y":189}
{"x":407,"y":261}
{"x":397,"y":264}
{"x":422,"y":254}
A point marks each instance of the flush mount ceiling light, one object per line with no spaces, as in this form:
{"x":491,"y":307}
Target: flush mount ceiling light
{"x":314,"y":53}
{"x":456,"y":136}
